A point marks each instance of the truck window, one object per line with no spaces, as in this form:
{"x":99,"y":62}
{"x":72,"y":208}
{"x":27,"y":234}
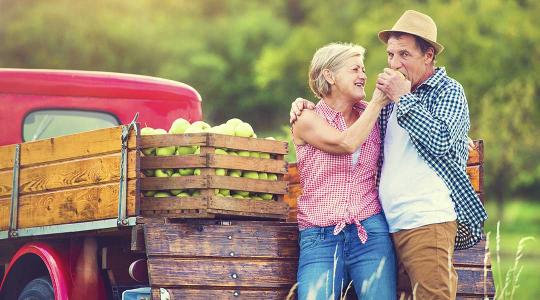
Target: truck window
{"x":52,"y":123}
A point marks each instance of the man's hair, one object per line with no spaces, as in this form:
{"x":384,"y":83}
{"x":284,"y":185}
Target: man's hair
{"x":422,"y":44}
{"x":330,"y":57}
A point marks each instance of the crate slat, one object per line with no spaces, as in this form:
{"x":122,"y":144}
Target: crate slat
{"x":247,"y":163}
{"x":249,"y":144}
{"x":245,"y":207}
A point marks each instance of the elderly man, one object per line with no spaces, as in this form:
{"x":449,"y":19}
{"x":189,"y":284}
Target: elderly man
{"x":430,"y":206}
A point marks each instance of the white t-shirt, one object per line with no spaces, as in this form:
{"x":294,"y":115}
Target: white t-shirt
{"x":411,"y":193}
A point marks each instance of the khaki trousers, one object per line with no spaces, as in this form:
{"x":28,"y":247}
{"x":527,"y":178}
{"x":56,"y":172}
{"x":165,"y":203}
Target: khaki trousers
{"x":425,"y":269}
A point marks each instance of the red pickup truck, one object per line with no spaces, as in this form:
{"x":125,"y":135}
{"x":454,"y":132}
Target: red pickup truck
{"x":38,"y":104}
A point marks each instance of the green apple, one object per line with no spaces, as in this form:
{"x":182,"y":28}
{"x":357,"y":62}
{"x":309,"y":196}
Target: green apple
{"x":175,"y":191}
{"x":164,"y":151}
{"x":266,"y":196}
{"x":270,"y":138}
{"x":225,"y":192}
{"x":221,"y":172}
{"x":254,"y":154}
{"x":197,"y":150}
{"x":265,"y":155}
{"x":220,"y":151}
{"x":233,"y":153}
{"x":232,"y":123}
{"x":242,"y":193}
{"x":243,"y":130}
{"x":179,"y":126}
{"x":250,"y":174}
{"x":196,"y":193}
{"x":182,"y":195}
{"x":272,"y":176}
{"x":149,"y":193}
{"x":235,"y":173}
{"x":197,"y":172}
{"x":185,"y":150}
{"x":256,"y":198}
{"x":263,"y":176}
{"x":237,"y":196}
{"x":243,"y":153}
{"x":227,"y":129}
{"x":162,"y":194}
{"x":148,"y":151}
{"x":186,"y":171}
{"x":163,"y":172}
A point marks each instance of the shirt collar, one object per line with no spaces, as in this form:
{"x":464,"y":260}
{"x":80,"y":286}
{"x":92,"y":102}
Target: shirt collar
{"x":435,"y":78}
{"x":330,"y":114}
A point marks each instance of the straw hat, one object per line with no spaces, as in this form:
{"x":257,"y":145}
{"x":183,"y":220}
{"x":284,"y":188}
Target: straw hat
{"x":418,"y":24}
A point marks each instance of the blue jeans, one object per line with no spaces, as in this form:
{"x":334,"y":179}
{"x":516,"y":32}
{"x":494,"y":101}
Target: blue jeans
{"x":329,"y":262}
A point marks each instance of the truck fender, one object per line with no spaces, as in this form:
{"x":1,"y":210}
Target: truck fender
{"x":55,"y":262}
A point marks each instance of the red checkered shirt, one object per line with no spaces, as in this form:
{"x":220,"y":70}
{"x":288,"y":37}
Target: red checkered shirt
{"x":336,"y":192}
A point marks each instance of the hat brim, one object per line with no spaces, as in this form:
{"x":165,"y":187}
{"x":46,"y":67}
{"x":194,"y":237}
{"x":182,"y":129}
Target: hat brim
{"x":385,"y":34}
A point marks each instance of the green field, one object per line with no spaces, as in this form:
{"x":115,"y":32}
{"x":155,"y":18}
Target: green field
{"x":520,"y":219}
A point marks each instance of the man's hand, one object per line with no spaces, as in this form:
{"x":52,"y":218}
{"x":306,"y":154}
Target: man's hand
{"x":393,"y":84}
{"x":297,"y":106}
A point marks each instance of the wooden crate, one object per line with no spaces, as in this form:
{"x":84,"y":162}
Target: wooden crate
{"x":68,"y":179}
{"x":208,"y":204}
{"x":205,"y":259}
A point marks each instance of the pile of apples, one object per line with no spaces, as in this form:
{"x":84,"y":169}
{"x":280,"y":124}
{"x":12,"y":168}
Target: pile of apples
{"x":233,"y":127}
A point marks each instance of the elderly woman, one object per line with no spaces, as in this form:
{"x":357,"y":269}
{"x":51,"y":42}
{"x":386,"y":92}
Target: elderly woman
{"x":343,"y":233}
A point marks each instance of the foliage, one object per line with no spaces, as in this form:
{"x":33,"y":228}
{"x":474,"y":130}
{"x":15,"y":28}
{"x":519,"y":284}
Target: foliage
{"x":250,"y":58}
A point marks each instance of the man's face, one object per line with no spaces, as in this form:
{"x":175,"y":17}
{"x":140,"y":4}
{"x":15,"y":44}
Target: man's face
{"x":404,"y":56}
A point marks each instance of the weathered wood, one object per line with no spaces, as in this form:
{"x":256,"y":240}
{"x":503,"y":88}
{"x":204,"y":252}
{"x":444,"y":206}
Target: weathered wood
{"x":472,"y":257}
{"x":476,"y":156}
{"x":168,"y":183}
{"x":246,"y":207}
{"x":189,"y":139}
{"x":249,"y":144}
{"x":223,"y":294}
{"x":213,"y":240}
{"x":173,"y":203}
{"x":176,"y":161}
{"x":90,"y":203}
{"x":247,"y":163}
{"x":137,"y":238}
{"x":68,"y":174}
{"x":226,"y":272}
{"x":7,"y":154}
{"x":74,"y":146}
{"x":247,"y":184}
{"x":476,"y":177}
{"x":4,"y":213}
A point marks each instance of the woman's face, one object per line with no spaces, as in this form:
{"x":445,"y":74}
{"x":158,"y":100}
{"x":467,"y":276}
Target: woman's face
{"x":350,"y":79}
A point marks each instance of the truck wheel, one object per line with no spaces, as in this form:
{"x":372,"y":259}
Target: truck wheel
{"x":38,"y":289}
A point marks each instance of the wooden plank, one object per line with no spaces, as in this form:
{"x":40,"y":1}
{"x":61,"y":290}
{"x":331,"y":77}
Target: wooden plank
{"x":4,"y":213}
{"x":76,"y":146}
{"x":7,"y":154}
{"x":91,"y":203}
{"x":247,"y":184}
{"x":295,"y":190}
{"x":69,"y":174}
{"x":223,"y":294}
{"x":247,"y":163}
{"x":476,"y":156}
{"x":149,"y":141}
{"x":173,"y":203}
{"x":249,"y":144}
{"x":246,"y":207}
{"x":476,"y":177}
{"x":226,"y":272}
{"x":168,"y":183}
{"x":213,"y":240}
{"x":177,"y":161}
{"x":472,"y":257}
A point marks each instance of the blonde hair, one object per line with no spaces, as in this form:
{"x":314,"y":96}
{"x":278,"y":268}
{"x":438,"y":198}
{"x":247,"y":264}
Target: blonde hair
{"x":330,"y":57}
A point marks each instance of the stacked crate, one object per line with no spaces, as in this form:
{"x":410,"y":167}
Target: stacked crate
{"x":203,"y":193}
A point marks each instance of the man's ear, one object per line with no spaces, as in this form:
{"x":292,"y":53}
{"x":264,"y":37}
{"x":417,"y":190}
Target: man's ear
{"x":328,"y":76}
{"x":429,"y":55}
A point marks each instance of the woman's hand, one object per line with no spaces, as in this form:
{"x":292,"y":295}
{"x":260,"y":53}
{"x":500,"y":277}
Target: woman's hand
{"x":297,"y":106}
{"x":379,"y":98}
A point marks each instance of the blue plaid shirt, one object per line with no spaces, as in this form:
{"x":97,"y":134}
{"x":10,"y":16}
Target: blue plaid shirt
{"x":436,"y":116}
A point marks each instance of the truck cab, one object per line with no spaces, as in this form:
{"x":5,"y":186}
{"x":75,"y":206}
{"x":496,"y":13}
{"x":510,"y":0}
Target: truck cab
{"x":38,"y":104}
{"x":41,"y":104}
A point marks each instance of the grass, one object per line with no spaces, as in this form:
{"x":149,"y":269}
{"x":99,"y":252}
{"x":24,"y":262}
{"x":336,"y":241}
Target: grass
{"x":520,"y":219}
